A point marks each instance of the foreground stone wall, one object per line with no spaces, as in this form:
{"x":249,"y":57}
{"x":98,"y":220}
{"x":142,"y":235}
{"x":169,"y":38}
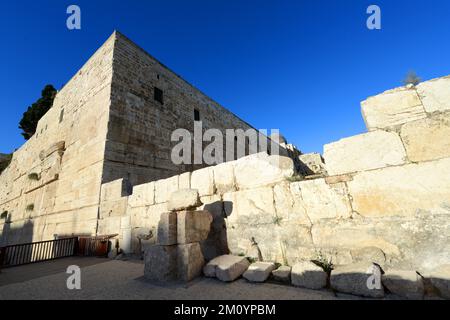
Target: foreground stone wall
{"x":52,"y":185}
{"x":386,"y":197}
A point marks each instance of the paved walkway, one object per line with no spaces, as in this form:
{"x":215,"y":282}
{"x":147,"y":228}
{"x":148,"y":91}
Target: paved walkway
{"x":113,"y":279}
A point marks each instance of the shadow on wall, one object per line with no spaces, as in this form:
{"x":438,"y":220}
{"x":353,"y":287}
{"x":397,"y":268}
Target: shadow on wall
{"x":11,"y":235}
{"x":217,"y":244}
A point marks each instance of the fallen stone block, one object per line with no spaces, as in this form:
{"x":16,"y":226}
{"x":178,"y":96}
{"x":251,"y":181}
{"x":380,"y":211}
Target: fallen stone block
{"x":308,"y":275}
{"x":406,"y":284}
{"x":161,"y":263}
{"x":167,"y":229}
{"x":440,"y":279}
{"x":193,"y":226}
{"x":259,"y":271}
{"x":362,"y":279}
{"x":282,"y":274}
{"x":226,"y":268}
{"x":185,"y":199}
{"x":190,"y":261}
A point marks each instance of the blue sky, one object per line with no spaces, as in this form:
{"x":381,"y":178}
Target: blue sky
{"x":300,"y":66}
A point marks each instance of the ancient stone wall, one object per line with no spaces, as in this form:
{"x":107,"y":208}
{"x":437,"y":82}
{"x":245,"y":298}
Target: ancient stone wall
{"x":52,"y":185}
{"x":386,"y":198}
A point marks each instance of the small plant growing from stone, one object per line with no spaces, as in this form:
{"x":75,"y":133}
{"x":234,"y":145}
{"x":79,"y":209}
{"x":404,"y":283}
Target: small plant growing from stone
{"x":4,"y":215}
{"x":251,"y":259}
{"x":34,"y":176}
{"x":322,"y":261}
{"x":30,"y":207}
{"x":277,"y":220}
{"x":295,"y":178}
{"x":411,"y":79}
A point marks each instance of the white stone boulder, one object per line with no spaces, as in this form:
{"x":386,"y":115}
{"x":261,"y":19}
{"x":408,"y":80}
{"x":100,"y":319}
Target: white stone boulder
{"x":185,"y":199}
{"x":226,"y":268}
{"x":193,"y":226}
{"x":362,"y":279}
{"x":406,"y":284}
{"x":282,"y":274}
{"x":308,"y":275}
{"x":259,"y":271}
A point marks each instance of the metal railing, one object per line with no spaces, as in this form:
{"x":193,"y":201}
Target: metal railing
{"x":27,"y":253}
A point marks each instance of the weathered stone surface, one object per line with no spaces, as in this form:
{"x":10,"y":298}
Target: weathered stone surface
{"x":184,"y":199}
{"x":167,"y":229}
{"x":282,"y":274}
{"x":402,"y":191}
{"x":406,"y":284}
{"x":190,"y":261}
{"x":362,"y":279}
{"x":312,"y":163}
{"x":224,"y":178}
{"x":226,"y":268}
{"x":372,"y":150}
{"x":392,"y":108}
{"x":308,"y":275}
{"x":184,"y":181}
{"x":143,"y":195}
{"x":440,"y":279}
{"x":369,"y":254}
{"x":193,"y":226}
{"x":427,"y":139}
{"x":323,"y":201}
{"x":161,"y":263}
{"x":203,"y":181}
{"x":261,"y":169}
{"x":435,"y":94}
{"x":259,"y":271}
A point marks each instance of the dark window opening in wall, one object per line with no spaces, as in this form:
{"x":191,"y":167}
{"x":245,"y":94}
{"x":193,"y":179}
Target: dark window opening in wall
{"x":157,"y":76}
{"x":61,"y":116}
{"x":196,"y":115}
{"x":158,"y":96}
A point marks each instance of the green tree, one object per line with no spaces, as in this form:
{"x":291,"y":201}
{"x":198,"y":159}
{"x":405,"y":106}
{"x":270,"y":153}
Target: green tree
{"x":36,"y":111}
{"x":411,"y":78}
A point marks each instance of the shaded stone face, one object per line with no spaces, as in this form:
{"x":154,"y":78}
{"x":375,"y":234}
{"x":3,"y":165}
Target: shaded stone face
{"x":190,"y":261}
{"x":161,"y":263}
{"x":308,"y":275}
{"x":193,"y":226}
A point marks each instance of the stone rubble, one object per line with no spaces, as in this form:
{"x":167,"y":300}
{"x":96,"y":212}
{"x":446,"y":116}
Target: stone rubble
{"x":259,"y":271}
{"x":308,"y":275}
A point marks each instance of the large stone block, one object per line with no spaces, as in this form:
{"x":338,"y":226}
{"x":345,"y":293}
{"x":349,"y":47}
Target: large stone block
{"x":259,"y":271}
{"x":224,"y":177}
{"x":312,"y":163}
{"x":406,"y":284}
{"x":164,"y":188}
{"x":161,"y":263}
{"x":203,"y":181}
{"x":261,"y":169}
{"x":427,"y":139}
{"x":435,"y":94}
{"x":282,"y":274}
{"x":362,"y":279}
{"x":392,"y":108}
{"x":226,"y":268}
{"x":308,"y":275}
{"x":193,"y":226}
{"x":115,"y":190}
{"x":167,"y":229}
{"x":190,"y":261}
{"x":402,"y":191}
{"x":143,"y":195}
{"x":372,"y":150}
{"x":185,"y":199}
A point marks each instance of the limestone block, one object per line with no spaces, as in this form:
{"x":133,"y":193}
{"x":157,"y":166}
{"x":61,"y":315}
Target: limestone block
{"x":372,"y":150}
{"x":224,"y":177}
{"x":259,"y":271}
{"x":190,"y":261}
{"x":392,"y":108}
{"x":113,"y":208}
{"x":289,"y":204}
{"x":164,"y":188}
{"x":184,"y":199}
{"x":193,"y":226}
{"x":161,"y":263}
{"x":440,"y":279}
{"x":323,"y":201}
{"x":406,"y":284}
{"x":369,"y":254}
{"x":261,"y":169}
{"x":226,"y":268}
{"x":184,"y":180}
{"x":282,"y":274}
{"x":167,"y":229}
{"x":435,"y":94}
{"x":312,"y":163}
{"x":115,"y":190}
{"x":203,"y":181}
{"x":308,"y":275}
{"x":143,"y":195}
{"x":402,"y":191}
{"x":427,"y":139}
{"x":362,"y":279}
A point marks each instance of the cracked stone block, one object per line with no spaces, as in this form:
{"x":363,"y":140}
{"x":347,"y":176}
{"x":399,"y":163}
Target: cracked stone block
{"x":185,"y":199}
{"x":190,"y":261}
{"x":226,"y":268}
{"x":167,"y":229}
{"x":193,"y":226}
{"x":259,"y":271}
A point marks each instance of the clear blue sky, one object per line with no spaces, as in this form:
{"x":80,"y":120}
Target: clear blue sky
{"x":300,"y":66}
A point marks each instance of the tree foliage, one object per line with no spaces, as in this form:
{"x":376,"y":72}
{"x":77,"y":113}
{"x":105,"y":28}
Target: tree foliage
{"x":411,"y":78}
{"x":36,"y":111}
